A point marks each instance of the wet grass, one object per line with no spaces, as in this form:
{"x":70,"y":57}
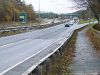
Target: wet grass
{"x":97,"y":27}
{"x":95,"y":41}
{"x":3,"y":34}
{"x":83,"y":21}
{"x":61,"y":65}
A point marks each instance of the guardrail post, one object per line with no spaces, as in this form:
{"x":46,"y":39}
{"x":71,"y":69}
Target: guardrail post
{"x":53,"y":58}
{"x":47,"y":66}
{"x":64,"y":44}
{"x":38,"y":70}
{"x":58,"y":53}
{"x":31,"y":73}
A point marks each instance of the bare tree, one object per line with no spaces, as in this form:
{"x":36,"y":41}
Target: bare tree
{"x":94,"y":5}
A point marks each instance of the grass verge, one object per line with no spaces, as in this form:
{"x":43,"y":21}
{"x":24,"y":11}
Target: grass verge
{"x":83,"y":21}
{"x":97,"y":27}
{"x":95,"y":41}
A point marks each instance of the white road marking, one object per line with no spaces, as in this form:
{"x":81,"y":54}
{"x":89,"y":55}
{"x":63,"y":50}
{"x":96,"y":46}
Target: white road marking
{"x":24,"y":60}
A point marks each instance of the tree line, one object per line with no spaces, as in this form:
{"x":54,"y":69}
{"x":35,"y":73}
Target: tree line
{"x":49,"y":15}
{"x":10,"y":10}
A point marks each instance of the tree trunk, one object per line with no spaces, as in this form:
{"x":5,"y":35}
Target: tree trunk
{"x":99,"y":21}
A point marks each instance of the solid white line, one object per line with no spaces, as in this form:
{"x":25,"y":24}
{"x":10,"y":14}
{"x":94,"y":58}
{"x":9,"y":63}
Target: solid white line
{"x":34,"y":66}
{"x":24,"y":60}
{"x":27,"y":59}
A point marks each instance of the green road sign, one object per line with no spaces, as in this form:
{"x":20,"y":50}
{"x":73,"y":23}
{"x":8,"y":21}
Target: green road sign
{"x":23,"y":17}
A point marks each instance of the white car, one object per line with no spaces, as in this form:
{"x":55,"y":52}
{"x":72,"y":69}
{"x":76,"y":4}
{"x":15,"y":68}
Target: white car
{"x":71,"y":23}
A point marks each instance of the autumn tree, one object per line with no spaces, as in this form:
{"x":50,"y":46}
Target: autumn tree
{"x":10,"y":9}
{"x":31,"y":13}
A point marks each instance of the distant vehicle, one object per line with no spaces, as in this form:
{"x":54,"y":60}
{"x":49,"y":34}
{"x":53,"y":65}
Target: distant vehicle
{"x":67,"y":25}
{"x":76,"y":19}
{"x":70,"y":23}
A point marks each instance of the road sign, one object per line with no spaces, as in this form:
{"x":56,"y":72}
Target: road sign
{"x":23,"y":17}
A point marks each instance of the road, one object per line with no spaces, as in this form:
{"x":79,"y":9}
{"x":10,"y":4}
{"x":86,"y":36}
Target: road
{"x":20,"y":52}
{"x":16,"y":48}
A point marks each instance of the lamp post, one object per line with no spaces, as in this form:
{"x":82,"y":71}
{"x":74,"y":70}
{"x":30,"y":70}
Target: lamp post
{"x":39,"y":12}
{"x":14,"y":14}
{"x":89,"y":16}
{"x":93,"y":19}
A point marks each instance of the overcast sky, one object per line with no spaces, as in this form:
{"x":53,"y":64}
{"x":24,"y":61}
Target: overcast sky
{"x":56,"y":6}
